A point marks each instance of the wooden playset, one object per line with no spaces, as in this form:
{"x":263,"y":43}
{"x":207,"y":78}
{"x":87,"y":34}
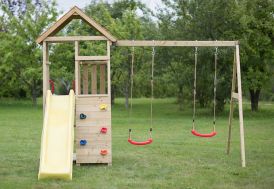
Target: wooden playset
{"x":93,"y":87}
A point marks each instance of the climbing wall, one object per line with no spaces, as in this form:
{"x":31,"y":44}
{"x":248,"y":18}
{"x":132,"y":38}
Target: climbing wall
{"x":93,"y":130}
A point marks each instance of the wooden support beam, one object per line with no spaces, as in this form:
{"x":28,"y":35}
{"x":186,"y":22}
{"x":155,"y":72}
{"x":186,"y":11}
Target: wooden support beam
{"x":45,"y":73}
{"x":240,"y":103}
{"x":176,"y":43}
{"x":102,"y":79}
{"x":77,"y":69}
{"x":83,"y":58}
{"x":94,"y":79}
{"x":96,"y":62}
{"x":85,"y":79}
{"x":108,"y":69}
{"x":231,"y":110}
{"x":60,"y":39}
{"x":235,"y":95}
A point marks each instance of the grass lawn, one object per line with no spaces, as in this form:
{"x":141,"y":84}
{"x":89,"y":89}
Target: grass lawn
{"x":176,"y":159}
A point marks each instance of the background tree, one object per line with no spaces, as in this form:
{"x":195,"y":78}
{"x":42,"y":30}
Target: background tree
{"x":23,"y":22}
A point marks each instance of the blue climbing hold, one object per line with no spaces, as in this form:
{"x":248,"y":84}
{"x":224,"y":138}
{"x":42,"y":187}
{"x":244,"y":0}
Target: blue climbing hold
{"x":83,"y":116}
{"x":83,"y":142}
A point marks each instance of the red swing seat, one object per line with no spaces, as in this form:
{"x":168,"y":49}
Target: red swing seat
{"x":141,"y":143}
{"x":208,"y":135}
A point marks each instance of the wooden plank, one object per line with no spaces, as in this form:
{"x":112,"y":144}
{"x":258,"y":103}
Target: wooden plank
{"x":77,"y":69}
{"x":231,"y":109}
{"x":85,"y":79}
{"x":45,"y":74}
{"x":106,"y":122}
{"x":92,"y":95}
{"x":240,"y":104}
{"x":60,"y":39}
{"x":177,"y":43}
{"x":92,"y":115}
{"x":94,"y":79}
{"x":94,"y":159}
{"x":96,"y":62}
{"x":235,"y":95}
{"x":83,"y":58}
{"x":92,"y":101}
{"x":95,"y":130}
{"x":91,"y":108}
{"x":102,"y":79}
{"x":108,"y":70}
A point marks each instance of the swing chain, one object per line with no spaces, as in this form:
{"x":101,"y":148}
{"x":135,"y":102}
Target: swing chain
{"x":215,"y":87}
{"x":194,"y":88}
{"x":152,"y":89}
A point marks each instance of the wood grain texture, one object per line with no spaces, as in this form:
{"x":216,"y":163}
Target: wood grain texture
{"x":102,"y":79}
{"x":85,"y":79}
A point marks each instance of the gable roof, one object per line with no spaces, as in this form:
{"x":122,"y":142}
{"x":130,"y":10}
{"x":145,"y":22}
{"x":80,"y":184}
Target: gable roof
{"x":74,"y":13}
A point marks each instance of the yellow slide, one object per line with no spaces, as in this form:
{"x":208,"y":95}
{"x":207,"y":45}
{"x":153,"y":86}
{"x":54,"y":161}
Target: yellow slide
{"x":56,"y":157}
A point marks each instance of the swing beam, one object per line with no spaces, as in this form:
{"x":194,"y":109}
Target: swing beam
{"x":236,"y":77}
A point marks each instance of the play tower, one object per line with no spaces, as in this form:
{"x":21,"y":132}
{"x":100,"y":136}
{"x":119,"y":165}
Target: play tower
{"x":92,"y":89}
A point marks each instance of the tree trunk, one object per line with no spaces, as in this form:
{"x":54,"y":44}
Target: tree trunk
{"x":254,"y":97}
{"x":180,"y":97}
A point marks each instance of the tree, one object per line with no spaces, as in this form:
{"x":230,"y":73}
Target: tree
{"x":257,"y":41}
{"x":23,"y":22}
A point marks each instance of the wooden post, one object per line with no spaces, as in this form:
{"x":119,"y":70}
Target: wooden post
{"x":240,"y":103}
{"x":85,"y":79}
{"x":77,"y":70}
{"x":94,"y":79}
{"x":108,"y":68}
{"x":231,"y":104}
{"x":45,"y":73}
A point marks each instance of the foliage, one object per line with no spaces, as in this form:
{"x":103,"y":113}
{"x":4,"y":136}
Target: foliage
{"x":22,"y":23}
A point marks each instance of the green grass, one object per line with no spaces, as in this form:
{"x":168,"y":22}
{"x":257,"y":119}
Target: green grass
{"x":176,"y":159}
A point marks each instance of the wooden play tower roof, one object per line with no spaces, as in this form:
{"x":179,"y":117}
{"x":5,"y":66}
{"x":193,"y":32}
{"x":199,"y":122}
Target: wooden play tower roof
{"x":74,"y":13}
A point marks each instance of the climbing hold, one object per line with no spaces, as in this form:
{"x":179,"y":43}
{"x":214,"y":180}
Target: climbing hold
{"x":104,"y":130}
{"x":104,"y":152}
{"x":103,"y":106}
{"x":83,"y":116}
{"x":83,"y":142}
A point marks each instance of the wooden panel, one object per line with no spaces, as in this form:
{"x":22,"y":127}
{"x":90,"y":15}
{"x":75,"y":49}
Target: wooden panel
{"x":102,"y":79}
{"x":177,"y":43}
{"x":85,"y":79}
{"x":60,"y":39}
{"x":91,"y":58}
{"x":94,"y":79}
